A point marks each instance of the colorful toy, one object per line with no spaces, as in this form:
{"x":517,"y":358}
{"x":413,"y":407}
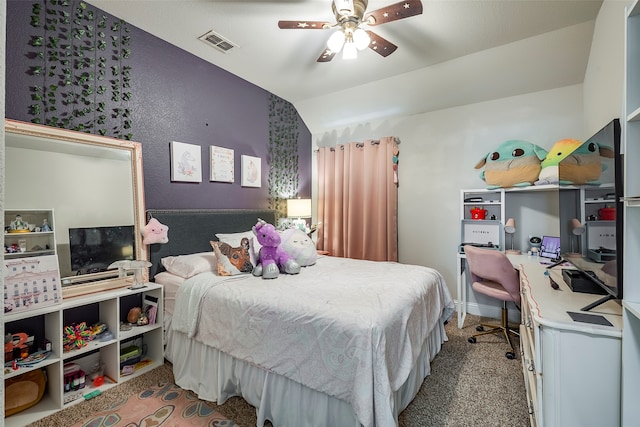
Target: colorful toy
{"x":273,"y":258}
{"x":515,"y":163}
{"x":154,"y":232}
{"x":571,"y":161}
{"x":76,"y":336}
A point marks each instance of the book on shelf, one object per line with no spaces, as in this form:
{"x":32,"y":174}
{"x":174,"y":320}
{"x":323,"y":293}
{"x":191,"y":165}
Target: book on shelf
{"x":150,"y":308}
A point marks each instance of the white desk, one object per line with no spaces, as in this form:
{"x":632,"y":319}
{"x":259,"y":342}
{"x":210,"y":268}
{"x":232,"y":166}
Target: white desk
{"x":532,"y":264}
{"x":572,"y":370}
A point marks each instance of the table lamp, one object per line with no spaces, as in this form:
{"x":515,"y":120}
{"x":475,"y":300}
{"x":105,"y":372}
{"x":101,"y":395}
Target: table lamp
{"x":510,"y":228}
{"x":577,"y":229}
{"x":299,"y":209}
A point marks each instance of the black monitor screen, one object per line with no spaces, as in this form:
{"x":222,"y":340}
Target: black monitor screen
{"x":93,"y":249}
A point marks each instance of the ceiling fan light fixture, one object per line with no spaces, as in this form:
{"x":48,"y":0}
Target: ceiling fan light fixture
{"x":361,"y":39}
{"x":349,"y":51}
{"x":344,"y":7}
{"x":336,"y":41}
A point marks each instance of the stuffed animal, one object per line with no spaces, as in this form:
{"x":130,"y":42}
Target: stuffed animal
{"x":272,"y":258}
{"x":300,"y":246}
{"x":154,"y":232}
{"x":571,"y":161}
{"x":515,"y":163}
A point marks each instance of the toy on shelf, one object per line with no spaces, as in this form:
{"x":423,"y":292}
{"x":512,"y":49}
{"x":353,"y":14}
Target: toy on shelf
{"x":76,"y":336}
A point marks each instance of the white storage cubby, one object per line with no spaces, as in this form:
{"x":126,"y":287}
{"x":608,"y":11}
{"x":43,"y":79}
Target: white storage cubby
{"x":109,"y":307}
{"x":34,"y":242}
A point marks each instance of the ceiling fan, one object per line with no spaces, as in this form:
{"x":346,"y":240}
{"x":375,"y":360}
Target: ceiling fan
{"x":352,"y":21}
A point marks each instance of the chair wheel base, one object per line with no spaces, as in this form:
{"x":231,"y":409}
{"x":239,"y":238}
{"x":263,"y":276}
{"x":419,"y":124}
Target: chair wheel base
{"x":480,"y":328}
{"x":472,"y":340}
{"x":510,"y":355}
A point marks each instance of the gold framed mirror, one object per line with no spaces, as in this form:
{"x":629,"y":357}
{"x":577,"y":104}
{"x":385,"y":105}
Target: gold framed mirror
{"x":85,"y":180}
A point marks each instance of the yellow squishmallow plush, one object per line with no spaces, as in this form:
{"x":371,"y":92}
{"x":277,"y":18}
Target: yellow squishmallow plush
{"x":571,"y":161}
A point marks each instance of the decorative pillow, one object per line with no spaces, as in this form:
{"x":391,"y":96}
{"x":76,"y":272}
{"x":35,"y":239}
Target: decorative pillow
{"x":299,"y":246}
{"x":187,"y":266}
{"x":232,"y":260}
{"x":234,"y":240}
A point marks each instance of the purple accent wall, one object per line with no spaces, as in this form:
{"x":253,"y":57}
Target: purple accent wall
{"x":176,"y":97}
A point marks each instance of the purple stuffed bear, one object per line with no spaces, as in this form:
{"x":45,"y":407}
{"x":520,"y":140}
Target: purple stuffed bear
{"x":272,"y":257}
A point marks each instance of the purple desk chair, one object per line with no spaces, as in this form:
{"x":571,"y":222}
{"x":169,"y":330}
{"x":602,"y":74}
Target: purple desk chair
{"x":493,"y":274}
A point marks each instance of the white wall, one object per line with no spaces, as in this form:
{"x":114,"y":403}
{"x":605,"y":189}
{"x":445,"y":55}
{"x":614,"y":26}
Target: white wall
{"x":604,"y":79}
{"x":439,"y":150}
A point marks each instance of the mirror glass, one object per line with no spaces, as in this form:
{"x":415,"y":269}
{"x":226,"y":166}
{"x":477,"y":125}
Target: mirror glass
{"x":87,"y":180}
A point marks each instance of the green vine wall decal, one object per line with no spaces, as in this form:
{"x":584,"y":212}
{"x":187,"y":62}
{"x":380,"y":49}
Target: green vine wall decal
{"x":283,"y":154}
{"x":81,"y":77}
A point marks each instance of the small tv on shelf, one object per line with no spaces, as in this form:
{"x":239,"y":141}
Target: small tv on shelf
{"x":94,"y":249}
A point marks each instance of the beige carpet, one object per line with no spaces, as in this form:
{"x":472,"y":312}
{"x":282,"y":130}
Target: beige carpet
{"x":470,"y":385}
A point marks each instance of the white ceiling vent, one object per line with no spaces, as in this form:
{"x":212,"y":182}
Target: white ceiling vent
{"x":216,"y":40}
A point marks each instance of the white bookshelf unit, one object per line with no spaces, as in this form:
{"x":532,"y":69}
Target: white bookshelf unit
{"x":109,"y":307}
{"x":631,"y":293}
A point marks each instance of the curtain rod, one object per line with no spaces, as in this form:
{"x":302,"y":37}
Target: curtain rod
{"x":361,"y":144}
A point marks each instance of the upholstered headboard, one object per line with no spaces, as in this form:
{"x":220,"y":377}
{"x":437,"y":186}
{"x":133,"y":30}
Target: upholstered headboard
{"x":191,"y":230}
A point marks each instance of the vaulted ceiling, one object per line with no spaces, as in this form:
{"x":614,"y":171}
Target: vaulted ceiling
{"x":456,"y":52}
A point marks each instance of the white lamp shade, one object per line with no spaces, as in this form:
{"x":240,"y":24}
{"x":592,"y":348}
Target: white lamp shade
{"x":299,"y":208}
{"x":349,"y":51}
{"x":576,"y":227}
{"x":336,"y":41}
{"x":510,"y":226}
{"x":361,"y":39}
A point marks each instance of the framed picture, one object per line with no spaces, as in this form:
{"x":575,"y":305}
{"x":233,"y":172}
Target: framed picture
{"x":251,"y":171}
{"x":185,"y":162}
{"x":221,"y":160}
{"x":44,"y":286}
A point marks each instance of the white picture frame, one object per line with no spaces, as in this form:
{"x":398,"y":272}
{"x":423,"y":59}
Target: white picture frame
{"x":221,"y":164}
{"x":186,"y":162}
{"x":251,"y":168}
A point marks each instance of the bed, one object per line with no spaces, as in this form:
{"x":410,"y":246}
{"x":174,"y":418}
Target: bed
{"x":343,"y":343}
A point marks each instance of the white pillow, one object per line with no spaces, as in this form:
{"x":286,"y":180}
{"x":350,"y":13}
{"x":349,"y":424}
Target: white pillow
{"x":187,"y":266}
{"x":234,"y":239}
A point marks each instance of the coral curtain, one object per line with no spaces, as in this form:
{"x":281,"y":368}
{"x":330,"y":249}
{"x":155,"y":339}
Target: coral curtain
{"x":358,"y":200}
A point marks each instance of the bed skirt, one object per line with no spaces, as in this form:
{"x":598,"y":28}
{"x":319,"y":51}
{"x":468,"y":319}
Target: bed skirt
{"x":216,"y":376}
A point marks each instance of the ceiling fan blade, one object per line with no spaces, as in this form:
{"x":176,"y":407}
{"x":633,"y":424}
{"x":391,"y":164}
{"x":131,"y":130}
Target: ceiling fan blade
{"x":381,"y":45}
{"x":303,"y":25}
{"x":403,"y":9}
{"x":327,"y":55}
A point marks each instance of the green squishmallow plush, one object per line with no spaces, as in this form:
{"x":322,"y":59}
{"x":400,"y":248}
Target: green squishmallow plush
{"x":515,"y":163}
{"x":299,"y":246}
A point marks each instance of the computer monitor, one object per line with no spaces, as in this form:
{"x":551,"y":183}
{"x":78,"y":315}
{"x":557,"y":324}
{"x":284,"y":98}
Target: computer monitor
{"x":550,"y":247}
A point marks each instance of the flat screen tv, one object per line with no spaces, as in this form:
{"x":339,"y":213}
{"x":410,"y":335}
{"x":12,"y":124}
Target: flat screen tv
{"x":93,"y":249}
{"x":607,"y":273}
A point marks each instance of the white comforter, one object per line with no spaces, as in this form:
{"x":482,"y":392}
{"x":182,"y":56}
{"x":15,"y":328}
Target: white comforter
{"x":349,"y":328}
